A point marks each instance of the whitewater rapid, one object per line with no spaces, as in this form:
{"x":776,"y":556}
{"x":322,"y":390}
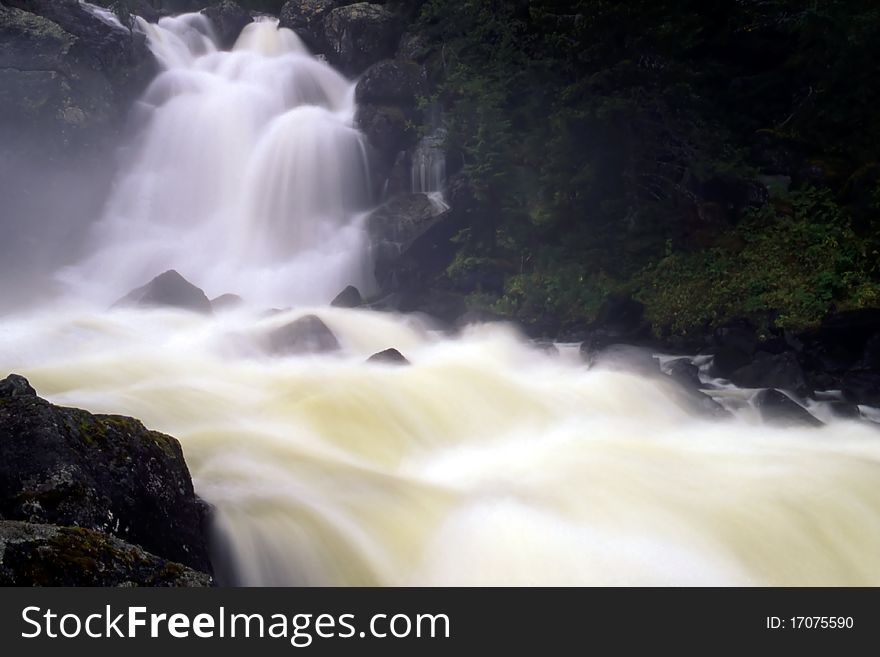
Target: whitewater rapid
{"x":485,"y":461}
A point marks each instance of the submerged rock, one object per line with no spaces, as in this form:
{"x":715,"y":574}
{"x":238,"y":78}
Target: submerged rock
{"x":47,"y":555}
{"x":391,"y":356}
{"x":350,"y":297}
{"x":169,"y":289}
{"x":307,"y":334}
{"x":65,"y":466}
{"x":685,"y":372}
{"x":779,"y":409}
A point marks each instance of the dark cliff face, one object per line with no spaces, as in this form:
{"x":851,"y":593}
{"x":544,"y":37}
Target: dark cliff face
{"x":66,"y":467}
{"x":67,"y":83}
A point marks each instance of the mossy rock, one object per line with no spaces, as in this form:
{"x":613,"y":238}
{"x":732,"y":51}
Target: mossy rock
{"x":109,"y":473}
{"x":46,"y":555}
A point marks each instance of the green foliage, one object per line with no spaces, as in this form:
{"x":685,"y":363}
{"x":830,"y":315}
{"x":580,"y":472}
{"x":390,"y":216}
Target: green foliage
{"x":788,"y":263}
{"x":598,"y":137}
{"x":567,"y":293}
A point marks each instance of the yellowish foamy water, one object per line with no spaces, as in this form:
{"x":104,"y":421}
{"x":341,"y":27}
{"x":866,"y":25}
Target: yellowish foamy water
{"x":484,"y":462}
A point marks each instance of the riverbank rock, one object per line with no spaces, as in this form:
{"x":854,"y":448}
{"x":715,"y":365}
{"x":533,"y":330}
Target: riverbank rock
{"x":390,"y":356}
{"x":65,"y":466}
{"x":778,"y":409}
{"x":171,"y":290}
{"x":350,"y":297}
{"x":229,"y":19}
{"x":861,"y":387}
{"x":47,"y":555}
{"x":782,"y":371}
{"x":305,"y":335}
{"x":359,"y":35}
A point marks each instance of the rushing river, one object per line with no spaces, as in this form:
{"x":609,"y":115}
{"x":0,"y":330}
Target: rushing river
{"x":487,"y":461}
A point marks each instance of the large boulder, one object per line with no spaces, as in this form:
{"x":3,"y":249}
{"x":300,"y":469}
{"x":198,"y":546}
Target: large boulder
{"x":778,"y":409}
{"x":67,"y":76}
{"x":389,"y":129}
{"x":841,"y":341}
{"x":620,"y":320}
{"x":302,"y":336}
{"x":350,"y":297}
{"x":66,"y":467}
{"x":47,"y":555}
{"x":862,"y":387}
{"x":411,"y":241}
{"x":229,"y":19}
{"x":171,"y":290}
{"x":391,"y":82}
{"x":306,"y":18}
{"x":782,"y":371}
{"x":359,"y":35}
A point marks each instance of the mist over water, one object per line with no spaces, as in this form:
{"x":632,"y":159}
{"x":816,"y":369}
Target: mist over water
{"x":487,"y":461}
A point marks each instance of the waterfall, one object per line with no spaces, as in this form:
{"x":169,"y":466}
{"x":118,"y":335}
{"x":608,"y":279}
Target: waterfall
{"x":486,"y":461}
{"x":428,"y":163}
{"x":247,"y":173}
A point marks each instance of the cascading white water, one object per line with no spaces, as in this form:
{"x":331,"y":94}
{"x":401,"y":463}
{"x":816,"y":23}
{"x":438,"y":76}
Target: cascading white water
{"x":249,"y":175}
{"x":484,"y":462}
{"x":428,"y":164}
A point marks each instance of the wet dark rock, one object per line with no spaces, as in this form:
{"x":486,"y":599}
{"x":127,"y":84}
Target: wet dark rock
{"x":226,"y":302}
{"x":842,"y":341}
{"x":413,"y":47}
{"x":229,"y":19}
{"x":65,"y":466}
{"x":778,"y":409}
{"x":387,"y":129}
{"x":685,"y":372}
{"x":870,"y":359}
{"x":728,"y":360}
{"x":782,"y":371}
{"x":391,"y":82}
{"x":620,"y":320}
{"x":845,"y":410}
{"x":623,"y":357}
{"x":169,"y":289}
{"x":306,"y":18}
{"x":359,"y":35}
{"x":305,"y":335}
{"x":67,"y":77}
{"x":441,"y":305}
{"x":390,"y":356}
{"x":350,"y":297}
{"x":411,"y":242}
{"x":861,"y":387}
{"x":47,"y":555}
